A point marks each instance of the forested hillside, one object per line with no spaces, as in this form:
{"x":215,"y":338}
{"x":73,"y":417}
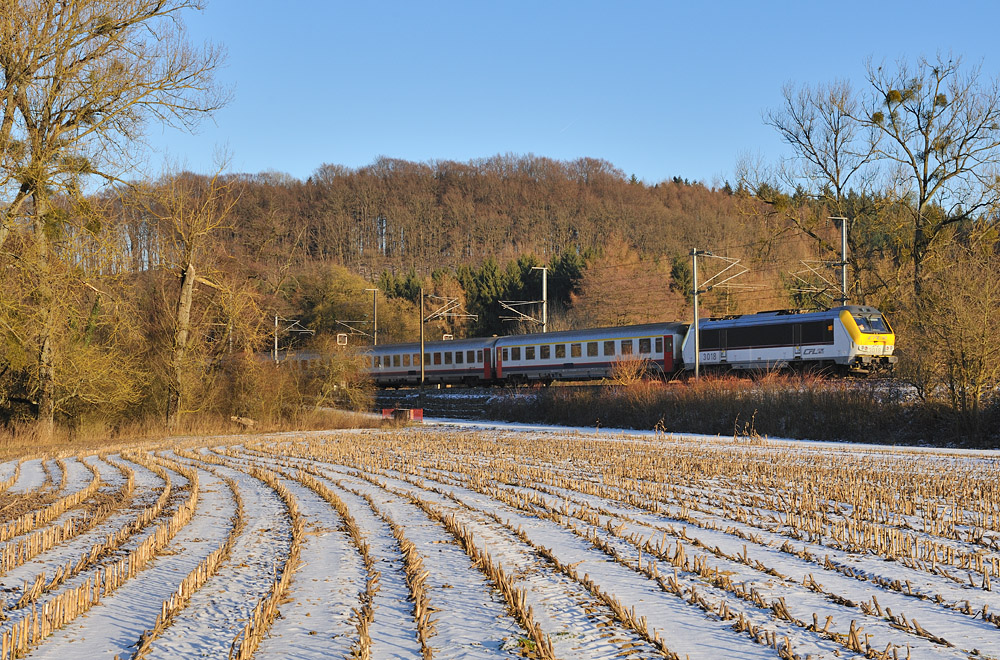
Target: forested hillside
{"x":399,"y":215}
{"x":476,"y":229}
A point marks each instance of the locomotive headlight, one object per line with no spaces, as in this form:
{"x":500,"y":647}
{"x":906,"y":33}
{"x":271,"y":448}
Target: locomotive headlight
{"x":888,"y":349}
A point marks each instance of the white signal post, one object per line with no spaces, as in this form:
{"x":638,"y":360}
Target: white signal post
{"x":374,"y":316}
{"x":545,"y":296}
{"x":843,"y":258}
{"x":421,"y":340}
{"x":695,"y":253}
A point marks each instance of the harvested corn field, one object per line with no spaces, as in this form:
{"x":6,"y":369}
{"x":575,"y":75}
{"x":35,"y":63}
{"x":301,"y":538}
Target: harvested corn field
{"x":431,"y":543}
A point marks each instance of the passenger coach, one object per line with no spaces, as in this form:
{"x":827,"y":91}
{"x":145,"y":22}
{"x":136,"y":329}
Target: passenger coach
{"x":459,"y":361}
{"x":539,"y":357}
{"x":589,"y":354}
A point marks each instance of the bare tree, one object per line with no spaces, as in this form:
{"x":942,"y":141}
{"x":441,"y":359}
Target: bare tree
{"x":831,"y":150}
{"x":959,"y":323}
{"x":940,"y":134}
{"x":833,"y":163}
{"x":78,"y":82}
{"x":189,"y":211}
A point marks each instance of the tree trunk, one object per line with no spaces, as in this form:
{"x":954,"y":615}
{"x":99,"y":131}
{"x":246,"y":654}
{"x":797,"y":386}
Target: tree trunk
{"x":182,"y":327}
{"x":46,"y":302}
{"x":919,"y":253}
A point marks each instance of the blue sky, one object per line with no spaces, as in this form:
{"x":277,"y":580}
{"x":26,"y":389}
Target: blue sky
{"x":659,"y":89}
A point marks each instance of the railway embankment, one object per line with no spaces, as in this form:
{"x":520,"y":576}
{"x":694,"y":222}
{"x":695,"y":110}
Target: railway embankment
{"x":864,"y":411}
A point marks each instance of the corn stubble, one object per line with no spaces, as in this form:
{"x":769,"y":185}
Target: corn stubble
{"x":646,"y":505}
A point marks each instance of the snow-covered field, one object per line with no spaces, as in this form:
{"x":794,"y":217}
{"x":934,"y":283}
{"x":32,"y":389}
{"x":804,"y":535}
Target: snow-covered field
{"x":481,"y":543}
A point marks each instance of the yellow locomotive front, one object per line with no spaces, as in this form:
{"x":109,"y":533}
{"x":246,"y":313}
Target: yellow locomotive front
{"x":872,"y":340}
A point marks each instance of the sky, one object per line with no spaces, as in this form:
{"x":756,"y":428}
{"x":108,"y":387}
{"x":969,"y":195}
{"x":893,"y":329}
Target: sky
{"x":658,"y":89}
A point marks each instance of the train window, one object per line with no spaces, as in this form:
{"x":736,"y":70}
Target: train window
{"x":378,"y":361}
{"x":479,"y":355}
{"x":644,"y":345}
{"x":659,"y":345}
{"x":575,"y":350}
{"x":406,"y":359}
{"x":709,"y":340}
{"x":817,"y":332}
{"x":368,"y":362}
{"x":515,"y":353}
{"x":459,"y":357}
{"x":427,"y":358}
{"x":591,"y":349}
{"x":626,"y":347}
{"x":560,"y":350}
{"x":735,"y":338}
{"x":873,"y":324}
{"x":760,"y":336}
{"x":470,"y":357}
{"x":609,"y":348}
{"x":503,"y":355}
{"x":395,"y":360}
{"x":545,"y":351}
{"x":437,"y":358}
{"x":529,"y":352}
{"x":447,"y":357}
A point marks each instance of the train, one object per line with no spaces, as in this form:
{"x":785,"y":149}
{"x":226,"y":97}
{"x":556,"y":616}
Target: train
{"x":845,"y":340}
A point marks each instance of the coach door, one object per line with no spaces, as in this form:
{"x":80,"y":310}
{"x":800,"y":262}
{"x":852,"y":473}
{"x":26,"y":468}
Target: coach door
{"x":668,"y":354}
{"x":487,"y":365}
{"x":797,"y":340}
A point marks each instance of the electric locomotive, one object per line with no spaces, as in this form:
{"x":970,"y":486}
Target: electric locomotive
{"x":850,"y":339}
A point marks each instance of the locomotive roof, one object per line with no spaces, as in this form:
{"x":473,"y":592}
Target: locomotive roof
{"x":789,"y":316}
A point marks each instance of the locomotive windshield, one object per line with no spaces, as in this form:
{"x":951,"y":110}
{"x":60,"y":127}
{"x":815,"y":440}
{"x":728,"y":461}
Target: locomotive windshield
{"x":872,"y":324}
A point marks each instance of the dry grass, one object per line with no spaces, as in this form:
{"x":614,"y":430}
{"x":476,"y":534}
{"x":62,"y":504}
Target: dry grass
{"x":628,"y":370}
{"x":769,"y":405}
{"x":25,"y":441}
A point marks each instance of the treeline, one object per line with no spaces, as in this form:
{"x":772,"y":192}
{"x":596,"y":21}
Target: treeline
{"x":397,"y":215}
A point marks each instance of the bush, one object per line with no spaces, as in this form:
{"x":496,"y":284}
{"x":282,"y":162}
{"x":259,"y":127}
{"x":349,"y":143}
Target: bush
{"x":775,"y":405}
